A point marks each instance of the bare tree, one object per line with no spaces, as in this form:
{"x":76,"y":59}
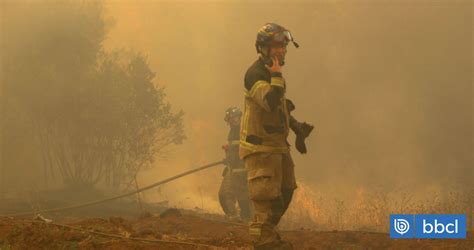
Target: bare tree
{"x":95,"y":115}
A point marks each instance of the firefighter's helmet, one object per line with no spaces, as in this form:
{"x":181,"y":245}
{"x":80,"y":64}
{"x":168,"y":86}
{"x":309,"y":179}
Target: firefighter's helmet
{"x":273,"y":33}
{"x":232,"y":112}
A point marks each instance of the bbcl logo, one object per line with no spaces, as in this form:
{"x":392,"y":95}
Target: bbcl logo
{"x":401,"y":226}
{"x":439,"y":228}
{"x":428,"y":226}
{"x":442,"y":226}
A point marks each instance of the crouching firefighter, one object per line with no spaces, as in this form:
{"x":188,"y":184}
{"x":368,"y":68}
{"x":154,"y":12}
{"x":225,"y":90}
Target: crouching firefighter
{"x":233,"y":190}
{"x":263,"y":137}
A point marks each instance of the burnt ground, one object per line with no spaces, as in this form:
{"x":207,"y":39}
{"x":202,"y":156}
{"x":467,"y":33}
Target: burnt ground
{"x":180,"y":229}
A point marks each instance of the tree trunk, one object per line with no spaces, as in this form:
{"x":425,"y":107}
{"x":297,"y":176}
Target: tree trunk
{"x":138,"y":195}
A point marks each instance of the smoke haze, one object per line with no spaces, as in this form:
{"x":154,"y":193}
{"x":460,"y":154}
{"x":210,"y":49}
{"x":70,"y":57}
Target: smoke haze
{"x":387,"y":84}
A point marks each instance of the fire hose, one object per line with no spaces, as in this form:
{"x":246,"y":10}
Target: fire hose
{"x":91,"y":203}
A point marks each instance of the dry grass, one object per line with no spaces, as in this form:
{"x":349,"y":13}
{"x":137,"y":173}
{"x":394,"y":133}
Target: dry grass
{"x":369,"y":210}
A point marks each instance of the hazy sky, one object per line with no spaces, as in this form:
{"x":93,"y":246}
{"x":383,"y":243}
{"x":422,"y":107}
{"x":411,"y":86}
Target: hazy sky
{"x":388,"y":84}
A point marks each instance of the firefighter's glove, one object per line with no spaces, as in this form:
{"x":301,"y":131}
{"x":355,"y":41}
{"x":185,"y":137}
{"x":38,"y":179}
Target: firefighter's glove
{"x":303,"y":131}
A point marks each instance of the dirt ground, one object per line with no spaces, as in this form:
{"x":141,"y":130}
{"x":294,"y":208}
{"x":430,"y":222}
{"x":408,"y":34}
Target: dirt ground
{"x":177,"y":229}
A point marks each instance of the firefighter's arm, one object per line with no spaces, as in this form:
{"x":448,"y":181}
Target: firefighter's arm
{"x":268,"y":94}
{"x":301,"y":129}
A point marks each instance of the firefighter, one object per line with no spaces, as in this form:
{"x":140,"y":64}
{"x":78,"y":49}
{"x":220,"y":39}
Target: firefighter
{"x":263,"y":137}
{"x":233,"y":193}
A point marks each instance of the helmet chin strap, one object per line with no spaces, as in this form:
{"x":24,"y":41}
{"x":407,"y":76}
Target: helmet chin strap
{"x":264,"y":51}
{"x":264,"y":54}
{"x":295,"y":43}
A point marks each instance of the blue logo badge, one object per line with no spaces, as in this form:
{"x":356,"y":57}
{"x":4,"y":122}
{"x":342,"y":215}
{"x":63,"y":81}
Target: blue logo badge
{"x":428,"y":226}
{"x":402,"y":226}
{"x":440,"y":226}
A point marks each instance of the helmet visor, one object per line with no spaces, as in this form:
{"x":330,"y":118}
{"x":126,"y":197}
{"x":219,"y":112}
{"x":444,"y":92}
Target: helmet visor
{"x":283,"y":37}
{"x":287,"y":35}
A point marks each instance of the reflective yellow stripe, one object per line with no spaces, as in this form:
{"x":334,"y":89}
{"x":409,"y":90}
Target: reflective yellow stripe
{"x":255,"y":231}
{"x":278,"y":82}
{"x":246,"y":93}
{"x":245,"y":123}
{"x":239,"y":170}
{"x":234,"y":142}
{"x":263,"y":148}
{"x":256,"y":86}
